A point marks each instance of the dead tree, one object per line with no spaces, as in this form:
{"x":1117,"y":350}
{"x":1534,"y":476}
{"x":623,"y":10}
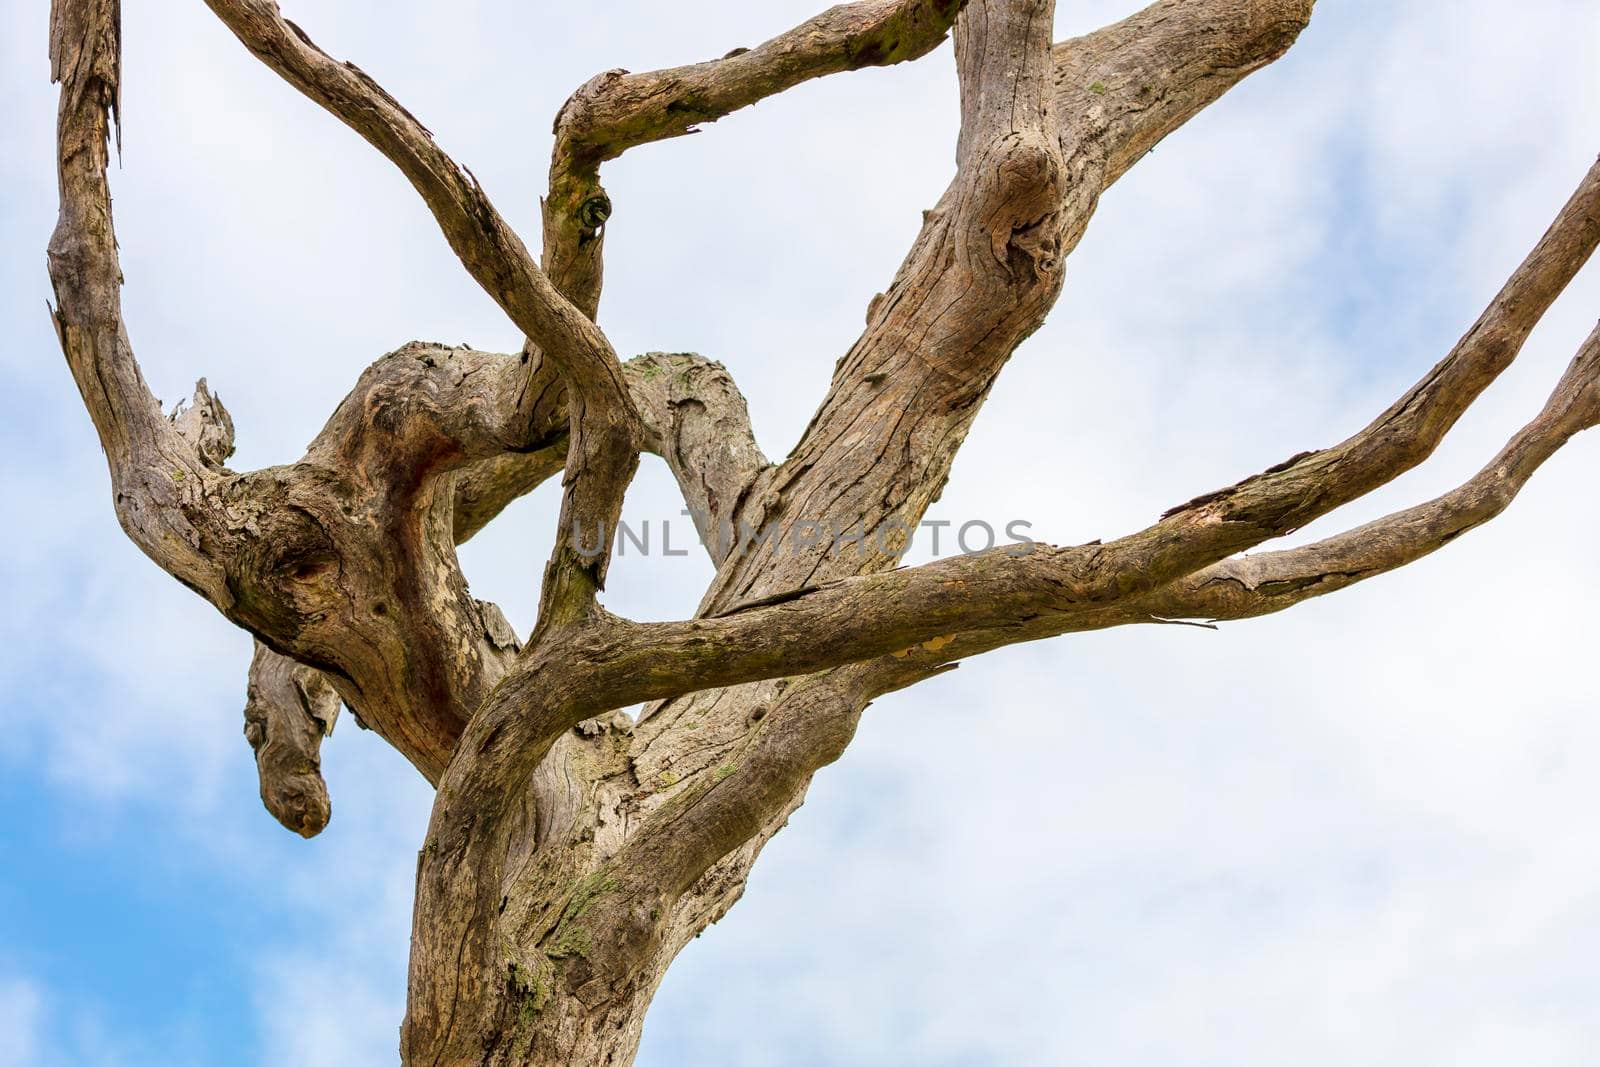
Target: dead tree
{"x":573,"y":850}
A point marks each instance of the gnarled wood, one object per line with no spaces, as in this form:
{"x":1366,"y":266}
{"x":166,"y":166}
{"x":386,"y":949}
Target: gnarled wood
{"x":289,"y":709}
{"x":573,"y":851}
{"x":603,"y":452}
{"x":691,"y":414}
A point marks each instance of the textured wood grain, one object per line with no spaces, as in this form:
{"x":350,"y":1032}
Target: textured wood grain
{"x":573,"y":850}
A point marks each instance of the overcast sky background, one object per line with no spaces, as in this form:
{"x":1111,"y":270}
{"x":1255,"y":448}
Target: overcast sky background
{"x":1360,"y":832}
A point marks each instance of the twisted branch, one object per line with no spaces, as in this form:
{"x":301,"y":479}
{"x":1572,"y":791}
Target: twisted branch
{"x":603,"y":425}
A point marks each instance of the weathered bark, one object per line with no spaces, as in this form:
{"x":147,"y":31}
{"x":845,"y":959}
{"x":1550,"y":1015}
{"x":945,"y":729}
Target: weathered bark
{"x":691,"y":414}
{"x":288,"y":711}
{"x":572,"y":850}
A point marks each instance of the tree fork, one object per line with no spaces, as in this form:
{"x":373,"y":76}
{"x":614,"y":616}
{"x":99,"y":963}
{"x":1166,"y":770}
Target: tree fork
{"x":572,"y":850}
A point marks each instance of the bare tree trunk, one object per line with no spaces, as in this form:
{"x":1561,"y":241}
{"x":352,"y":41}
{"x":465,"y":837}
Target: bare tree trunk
{"x":572,"y":851}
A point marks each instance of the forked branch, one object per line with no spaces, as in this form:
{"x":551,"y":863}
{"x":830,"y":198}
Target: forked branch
{"x":860,"y":618}
{"x":344,"y":562}
{"x":1307,"y":486}
{"x":1262,"y":584}
{"x":692,"y":415}
{"x":1251,"y":586}
{"x":881,"y":446}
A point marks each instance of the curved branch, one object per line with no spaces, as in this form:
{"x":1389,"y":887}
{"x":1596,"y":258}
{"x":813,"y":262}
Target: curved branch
{"x":1286,"y":497}
{"x":691,"y":414}
{"x":696,"y":419}
{"x":604,"y":429}
{"x":1251,"y":586}
{"x":617,"y":110}
{"x":490,"y":250}
{"x":346,"y":558}
{"x":484,"y":489}
{"x":1001,"y":230}
{"x":429,"y":411}
{"x":1263,"y":584}
{"x":983,"y":272}
{"x":1116,"y":92}
{"x":1016,"y":595}
{"x":287,"y":553}
{"x":159,"y":470}
{"x":860,"y":618}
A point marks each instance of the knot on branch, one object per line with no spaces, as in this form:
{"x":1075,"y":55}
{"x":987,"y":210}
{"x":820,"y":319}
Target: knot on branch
{"x":289,"y":709}
{"x":1028,"y":176}
{"x":910,"y":31}
{"x":593,"y":212}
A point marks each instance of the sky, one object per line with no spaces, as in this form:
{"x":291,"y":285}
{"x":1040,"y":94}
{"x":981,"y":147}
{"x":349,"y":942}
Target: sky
{"x":1361,"y":831}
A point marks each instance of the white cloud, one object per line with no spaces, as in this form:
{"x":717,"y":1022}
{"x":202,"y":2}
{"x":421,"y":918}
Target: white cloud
{"x":21,"y":1007}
